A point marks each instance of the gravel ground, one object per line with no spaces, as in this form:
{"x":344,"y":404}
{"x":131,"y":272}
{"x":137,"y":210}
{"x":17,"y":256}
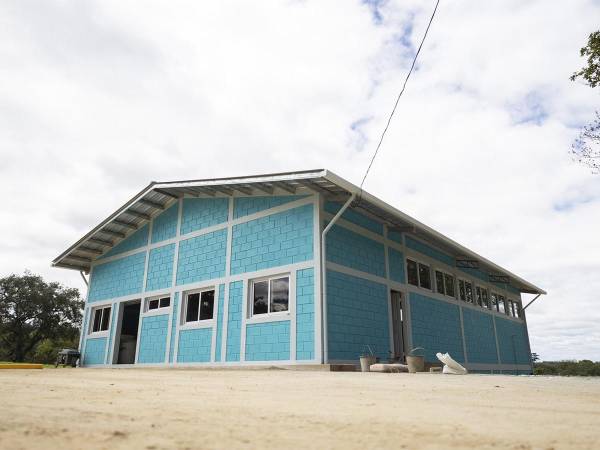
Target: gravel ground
{"x":158,"y":408}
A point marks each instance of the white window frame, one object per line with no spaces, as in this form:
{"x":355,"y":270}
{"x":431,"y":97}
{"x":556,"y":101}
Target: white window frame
{"x":444,"y":272}
{"x":160,"y":309}
{"x":200,"y":323}
{"x":269,"y":315}
{"x":418,"y":261}
{"x":489,"y":300}
{"x":100,"y":333}
{"x":473,"y":293}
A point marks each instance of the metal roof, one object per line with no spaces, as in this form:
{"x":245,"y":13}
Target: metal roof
{"x":158,"y":196}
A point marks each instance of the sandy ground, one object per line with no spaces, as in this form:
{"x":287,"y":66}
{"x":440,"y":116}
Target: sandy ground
{"x":153,"y":409}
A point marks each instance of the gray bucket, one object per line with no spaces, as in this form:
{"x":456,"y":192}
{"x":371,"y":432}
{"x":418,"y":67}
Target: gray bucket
{"x":366,"y":362}
{"x":415,"y":363}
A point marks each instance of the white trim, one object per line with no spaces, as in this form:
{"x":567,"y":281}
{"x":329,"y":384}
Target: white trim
{"x":462,"y":335}
{"x":141,"y":295}
{"x":243,"y":319}
{"x":292,"y":313}
{"x":225,"y":322}
{"x":318,"y":285}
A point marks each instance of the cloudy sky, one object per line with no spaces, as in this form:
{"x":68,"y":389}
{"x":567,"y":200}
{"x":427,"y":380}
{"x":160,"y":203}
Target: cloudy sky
{"x":99,"y":98}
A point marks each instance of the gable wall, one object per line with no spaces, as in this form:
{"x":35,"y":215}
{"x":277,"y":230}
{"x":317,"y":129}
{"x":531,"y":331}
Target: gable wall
{"x":224,"y":243}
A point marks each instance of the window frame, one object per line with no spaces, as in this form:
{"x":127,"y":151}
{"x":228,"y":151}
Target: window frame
{"x":100,"y":332}
{"x":160,"y":309}
{"x":482,"y":289}
{"x":269,"y":315}
{"x":419,"y":262}
{"x":199,"y":323}
{"x":473,"y":293}
{"x":444,"y":274}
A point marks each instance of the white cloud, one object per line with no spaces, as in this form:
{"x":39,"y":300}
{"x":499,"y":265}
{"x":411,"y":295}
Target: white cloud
{"x":98,"y":99}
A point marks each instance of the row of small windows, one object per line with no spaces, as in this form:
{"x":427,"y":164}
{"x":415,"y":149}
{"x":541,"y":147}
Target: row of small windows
{"x":419,"y":274}
{"x":268,"y":296}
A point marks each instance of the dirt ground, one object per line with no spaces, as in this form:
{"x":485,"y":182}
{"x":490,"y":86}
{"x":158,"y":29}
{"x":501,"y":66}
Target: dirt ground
{"x":154,"y":409}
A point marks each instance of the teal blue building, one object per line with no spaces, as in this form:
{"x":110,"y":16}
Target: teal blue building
{"x":287,"y":269}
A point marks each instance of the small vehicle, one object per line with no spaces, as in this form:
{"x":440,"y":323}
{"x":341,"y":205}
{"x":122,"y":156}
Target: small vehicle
{"x":67,"y":357}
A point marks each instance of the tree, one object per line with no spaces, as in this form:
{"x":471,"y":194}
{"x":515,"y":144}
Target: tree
{"x":586,"y":148}
{"x":32,"y":310}
{"x":590,"y":73}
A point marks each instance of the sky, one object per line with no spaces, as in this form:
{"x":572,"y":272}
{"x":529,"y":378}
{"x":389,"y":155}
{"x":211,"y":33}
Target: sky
{"x":98,"y":98}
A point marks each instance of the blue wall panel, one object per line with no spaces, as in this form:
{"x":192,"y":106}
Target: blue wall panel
{"x":244,"y":206}
{"x":305,"y":314}
{"x":220,"y":322}
{"x":202,"y":258}
{"x":117,"y":278}
{"x":425,"y":249}
{"x":355,"y":217}
{"x":94,"y":351}
{"x":479,"y":337}
{"x":199,"y":213}
{"x":435,"y":327}
{"x":165,"y":225}
{"x":274,"y":240}
{"x":153,"y":339}
{"x":194,"y":345}
{"x":134,"y":241}
{"x":353,"y":250}
{"x":512,"y":342}
{"x":234,"y":321}
{"x":357,"y":317}
{"x":396,"y":265}
{"x":160,"y":268}
{"x":268,"y":341}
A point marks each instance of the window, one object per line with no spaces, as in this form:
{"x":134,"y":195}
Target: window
{"x":444,"y":283}
{"x":502,"y":304}
{"x":465,"y":291}
{"x":156,"y":303}
{"x":199,"y":306}
{"x":494,"y":304}
{"x":517,"y":309}
{"x":270,"y":296}
{"x":413,"y":274}
{"x":101,"y":319}
{"x":424,"y":276}
{"x":418,"y":274}
{"x":481,"y":295}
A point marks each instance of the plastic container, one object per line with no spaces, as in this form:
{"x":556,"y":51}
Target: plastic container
{"x":415,"y":364}
{"x":366,"y":362}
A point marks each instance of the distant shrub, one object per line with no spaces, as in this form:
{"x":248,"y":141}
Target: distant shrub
{"x":583,"y":368}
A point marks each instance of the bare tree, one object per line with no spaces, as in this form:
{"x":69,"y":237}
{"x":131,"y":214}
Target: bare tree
{"x":586,"y":148}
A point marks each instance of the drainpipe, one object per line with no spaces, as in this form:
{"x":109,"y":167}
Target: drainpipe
{"x":536,"y":297}
{"x":324,"y":346}
{"x":84,"y":278}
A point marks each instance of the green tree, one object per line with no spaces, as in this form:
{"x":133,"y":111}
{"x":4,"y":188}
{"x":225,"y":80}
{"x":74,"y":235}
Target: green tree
{"x":586,"y":148}
{"x":32,"y":310}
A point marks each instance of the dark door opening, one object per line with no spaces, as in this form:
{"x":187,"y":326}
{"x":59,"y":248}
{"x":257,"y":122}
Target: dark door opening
{"x":128,"y":335}
{"x":398,"y":326}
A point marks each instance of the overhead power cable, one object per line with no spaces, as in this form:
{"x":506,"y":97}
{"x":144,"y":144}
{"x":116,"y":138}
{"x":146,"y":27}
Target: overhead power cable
{"x":398,"y":99}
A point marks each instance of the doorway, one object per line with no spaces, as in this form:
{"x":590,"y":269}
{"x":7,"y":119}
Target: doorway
{"x":398,"y":326}
{"x":128,"y":332}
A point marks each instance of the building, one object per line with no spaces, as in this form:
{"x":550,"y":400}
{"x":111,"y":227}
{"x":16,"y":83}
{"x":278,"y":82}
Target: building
{"x":230,"y":272}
